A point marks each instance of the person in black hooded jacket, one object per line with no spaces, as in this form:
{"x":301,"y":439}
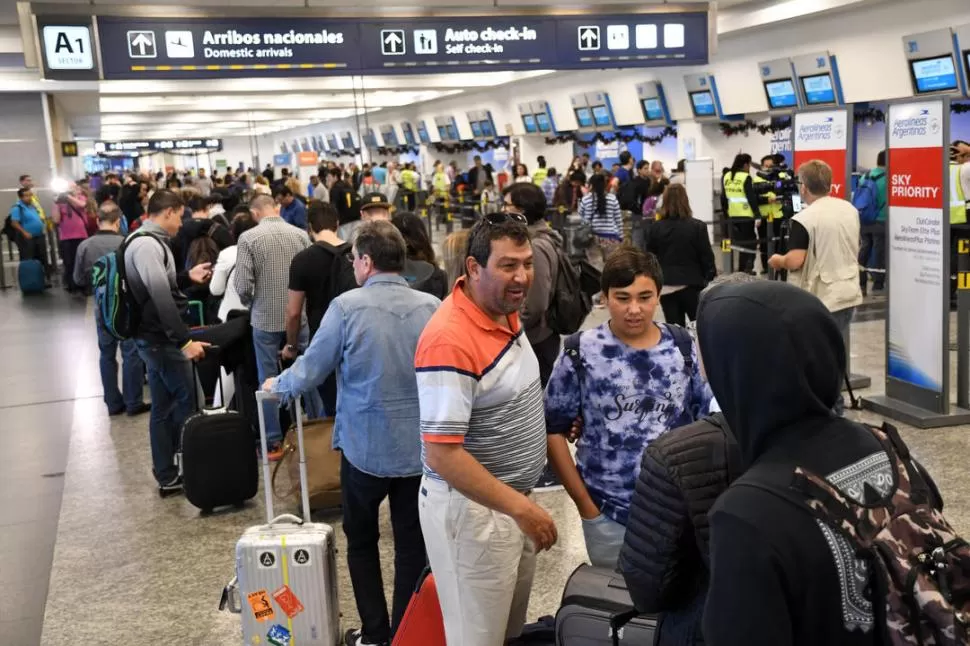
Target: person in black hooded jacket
{"x":779,"y":577}
{"x":664,"y":559}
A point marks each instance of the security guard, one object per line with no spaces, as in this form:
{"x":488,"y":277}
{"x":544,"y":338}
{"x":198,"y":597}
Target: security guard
{"x":740,"y":203}
{"x":541,"y":173}
{"x":409,"y":186}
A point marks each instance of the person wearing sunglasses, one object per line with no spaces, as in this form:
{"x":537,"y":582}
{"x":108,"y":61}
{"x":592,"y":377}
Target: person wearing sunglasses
{"x":483,"y":432}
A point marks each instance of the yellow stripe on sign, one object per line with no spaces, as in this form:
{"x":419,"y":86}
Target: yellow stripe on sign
{"x":164,"y":68}
{"x":213,"y":68}
{"x":260,"y":66}
{"x":188,"y":68}
{"x":283,"y":66}
{"x":307,"y":66}
{"x":330,"y":66}
{"x":237,"y":67}
{"x":286,"y":582}
{"x":138,"y":68}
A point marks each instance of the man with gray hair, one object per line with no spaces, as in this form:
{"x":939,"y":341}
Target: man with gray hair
{"x":369,"y":337}
{"x":262,"y":276}
{"x":129,"y":398}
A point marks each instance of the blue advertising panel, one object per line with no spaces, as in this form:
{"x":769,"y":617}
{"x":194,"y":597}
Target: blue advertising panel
{"x":781,"y":94}
{"x":936,"y":74}
{"x":219,"y":47}
{"x":702,"y":103}
{"x":134,"y":48}
{"x":818,"y":89}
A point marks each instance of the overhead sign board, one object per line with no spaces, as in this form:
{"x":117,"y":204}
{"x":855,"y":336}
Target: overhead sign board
{"x":67,"y":48}
{"x":157,"y":146}
{"x":218,"y":47}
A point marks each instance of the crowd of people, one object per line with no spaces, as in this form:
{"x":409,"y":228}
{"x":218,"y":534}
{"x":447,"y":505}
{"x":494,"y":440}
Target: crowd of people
{"x":452,"y":394}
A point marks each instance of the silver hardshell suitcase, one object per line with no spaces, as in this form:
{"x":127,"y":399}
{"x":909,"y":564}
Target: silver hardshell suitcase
{"x":596,"y":610}
{"x":286,"y":580}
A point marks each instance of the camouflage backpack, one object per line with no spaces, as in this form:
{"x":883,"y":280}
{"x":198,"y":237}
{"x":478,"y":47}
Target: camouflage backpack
{"x":919,"y":565}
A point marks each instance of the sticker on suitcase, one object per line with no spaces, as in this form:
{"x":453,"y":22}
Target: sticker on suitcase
{"x":278,"y":636}
{"x":261,"y":605}
{"x":300,"y":556}
{"x":288,"y":601}
{"x":267,"y":559}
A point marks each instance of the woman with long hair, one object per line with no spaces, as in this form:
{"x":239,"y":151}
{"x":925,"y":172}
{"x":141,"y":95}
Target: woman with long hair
{"x":419,"y":250}
{"x":453,"y":254}
{"x":683,"y":247}
{"x":601,"y":210}
{"x":521,"y":174}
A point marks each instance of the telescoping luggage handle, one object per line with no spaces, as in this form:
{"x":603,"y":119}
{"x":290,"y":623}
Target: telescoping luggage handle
{"x":263,"y":396}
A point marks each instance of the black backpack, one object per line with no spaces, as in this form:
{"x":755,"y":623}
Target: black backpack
{"x":627,"y":197}
{"x":342,"y":277}
{"x":570,"y":304}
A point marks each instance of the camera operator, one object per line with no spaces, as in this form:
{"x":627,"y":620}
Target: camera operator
{"x":775,"y":205}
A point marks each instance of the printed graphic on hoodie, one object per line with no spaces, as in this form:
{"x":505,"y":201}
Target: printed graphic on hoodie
{"x":629,"y":398}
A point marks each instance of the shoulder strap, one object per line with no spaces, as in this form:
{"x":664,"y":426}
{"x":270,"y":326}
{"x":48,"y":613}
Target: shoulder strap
{"x":141,"y":234}
{"x":684,"y":343}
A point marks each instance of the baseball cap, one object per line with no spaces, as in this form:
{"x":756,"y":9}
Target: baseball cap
{"x":372,"y":200}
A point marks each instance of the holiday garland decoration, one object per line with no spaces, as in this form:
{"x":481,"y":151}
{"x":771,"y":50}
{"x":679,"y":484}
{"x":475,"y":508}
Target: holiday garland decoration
{"x":466,"y":146}
{"x":868,"y":116}
{"x":398,"y":150}
{"x":609,"y":137}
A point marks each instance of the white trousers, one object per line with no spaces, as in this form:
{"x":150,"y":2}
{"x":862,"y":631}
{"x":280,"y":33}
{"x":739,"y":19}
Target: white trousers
{"x":483,"y":566}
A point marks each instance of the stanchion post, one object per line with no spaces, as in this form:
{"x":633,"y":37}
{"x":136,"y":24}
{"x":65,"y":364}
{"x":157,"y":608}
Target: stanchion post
{"x":770,"y":244}
{"x":3,"y":269}
{"x":963,"y":323}
{"x":727,"y":256}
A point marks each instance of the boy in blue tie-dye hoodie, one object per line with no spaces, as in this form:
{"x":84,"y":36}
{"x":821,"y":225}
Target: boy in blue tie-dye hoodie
{"x":631,"y":380}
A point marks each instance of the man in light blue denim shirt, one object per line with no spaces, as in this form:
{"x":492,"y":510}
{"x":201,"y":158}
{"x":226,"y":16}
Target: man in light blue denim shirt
{"x":369,"y":336}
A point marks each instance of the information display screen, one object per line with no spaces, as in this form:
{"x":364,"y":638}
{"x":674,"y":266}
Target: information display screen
{"x":652,"y":109}
{"x":934,"y":74}
{"x":487,"y":129}
{"x":529,"y":121}
{"x":584,"y":117}
{"x":423,"y":135}
{"x":476,"y":128}
{"x":781,"y":94}
{"x":408,"y":133}
{"x":544,"y":123}
{"x":703,"y":103}
{"x":601,"y":116}
{"x":818,"y":89}
{"x":452,"y":131}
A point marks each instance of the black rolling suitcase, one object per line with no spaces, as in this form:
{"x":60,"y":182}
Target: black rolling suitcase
{"x":218,"y":459}
{"x":596,"y":610}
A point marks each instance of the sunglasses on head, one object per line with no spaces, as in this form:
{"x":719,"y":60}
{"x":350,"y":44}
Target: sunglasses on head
{"x":496,"y":219}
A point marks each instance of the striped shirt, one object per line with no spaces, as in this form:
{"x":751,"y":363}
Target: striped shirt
{"x":478,"y":384}
{"x":263,"y":270}
{"x":605,"y":225}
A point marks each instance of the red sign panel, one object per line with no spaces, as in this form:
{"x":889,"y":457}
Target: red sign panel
{"x":835,"y":159}
{"x":916,"y":178}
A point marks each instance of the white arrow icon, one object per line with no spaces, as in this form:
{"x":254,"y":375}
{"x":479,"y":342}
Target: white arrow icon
{"x":589,"y":38}
{"x":141,"y":42}
{"x":393,"y":41}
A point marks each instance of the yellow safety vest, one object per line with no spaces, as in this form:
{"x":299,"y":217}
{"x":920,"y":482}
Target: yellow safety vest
{"x":540,"y":176}
{"x":440,"y":181}
{"x":409,"y":180}
{"x":737,"y":201}
{"x":958,"y":201}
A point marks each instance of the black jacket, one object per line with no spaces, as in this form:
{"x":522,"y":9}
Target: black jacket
{"x":684,"y":251}
{"x":473,"y":176}
{"x":665,"y":553}
{"x":779,"y":577}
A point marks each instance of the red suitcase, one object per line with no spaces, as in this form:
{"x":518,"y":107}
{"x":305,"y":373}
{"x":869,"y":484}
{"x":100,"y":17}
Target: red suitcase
{"x":422,"y":624}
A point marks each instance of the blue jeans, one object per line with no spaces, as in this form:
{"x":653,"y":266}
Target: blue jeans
{"x":843,"y":319}
{"x":604,"y":538}
{"x":132,"y":372}
{"x":172,"y":386}
{"x":268,"y":346}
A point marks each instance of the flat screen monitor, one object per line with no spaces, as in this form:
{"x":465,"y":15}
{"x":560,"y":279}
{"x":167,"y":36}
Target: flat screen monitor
{"x":477,"y":129}
{"x":443,"y":133}
{"x":818,"y":89}
{"x":529,"y":121}
{"x":652,"y":110}
{"x":601,"y":116}
{"x":390,"y":137}
{"x":332,"y":142}
{"x":348,"y":142}
{"x":584,"y":117}
{"x":544,"y":122}
{"x":452,"y":131}
{"x":487,"y":129}
{"x":703,"y":103}
{"x":423,"y":135}
{"x":936,"y":74}
{"x":781,"y":94}
{"x":408,"y":133}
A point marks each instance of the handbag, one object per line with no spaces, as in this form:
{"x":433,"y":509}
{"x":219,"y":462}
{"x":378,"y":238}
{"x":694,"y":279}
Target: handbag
{"x":322,"y":464}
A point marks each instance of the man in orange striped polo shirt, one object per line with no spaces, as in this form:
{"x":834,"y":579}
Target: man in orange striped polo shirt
{"x":483,"y":435}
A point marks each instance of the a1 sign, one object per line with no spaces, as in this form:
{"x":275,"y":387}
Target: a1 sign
{"x":68,"y":47}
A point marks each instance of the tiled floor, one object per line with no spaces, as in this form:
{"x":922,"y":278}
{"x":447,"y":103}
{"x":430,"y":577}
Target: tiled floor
{"x":77,"y":502}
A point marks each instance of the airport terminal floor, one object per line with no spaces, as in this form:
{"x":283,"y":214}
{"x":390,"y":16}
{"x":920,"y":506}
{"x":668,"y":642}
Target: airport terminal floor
{"x":89,"y":554}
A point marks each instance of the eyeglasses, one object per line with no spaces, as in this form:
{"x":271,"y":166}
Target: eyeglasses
{"x":496,"y":219}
